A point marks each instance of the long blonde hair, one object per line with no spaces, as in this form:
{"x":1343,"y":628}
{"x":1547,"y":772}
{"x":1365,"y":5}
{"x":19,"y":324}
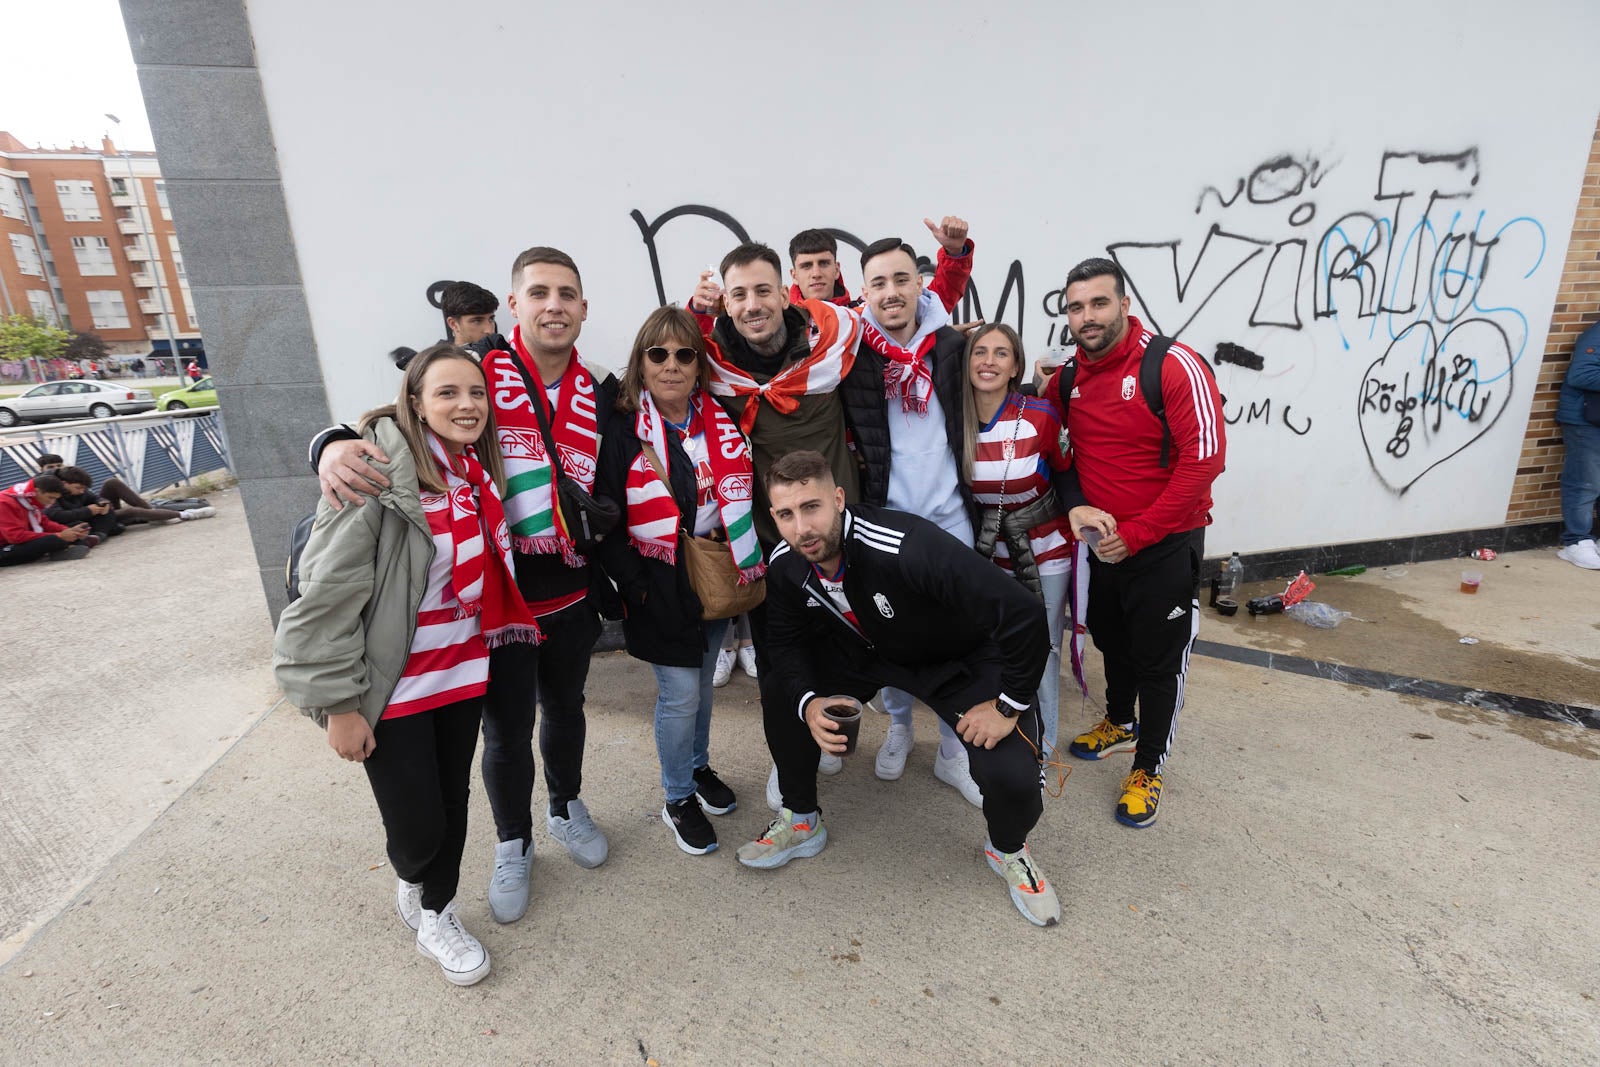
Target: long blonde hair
{"x":969,"y":397}
{"x":404,"y":413}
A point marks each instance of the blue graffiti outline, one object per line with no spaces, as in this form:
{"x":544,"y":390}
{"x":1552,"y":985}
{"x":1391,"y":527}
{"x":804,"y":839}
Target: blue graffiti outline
{"x":1378,"y":224}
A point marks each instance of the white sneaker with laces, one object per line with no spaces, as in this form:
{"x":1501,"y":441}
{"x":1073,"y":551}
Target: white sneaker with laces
{"x":724,"y":670}
{"x":442,"y":938}
{"x":891,"y":761}
{"x":747,"y":659}
{"x":408,"y":902}
{"x":956,"y":774}
{"x":1583,"y":554}
{"x":585,"y":843}
{"x":828,"y":763}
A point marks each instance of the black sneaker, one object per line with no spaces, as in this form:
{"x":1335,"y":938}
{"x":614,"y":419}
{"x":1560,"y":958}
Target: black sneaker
{"x":690,"y":826}
{"x":712,"y":792}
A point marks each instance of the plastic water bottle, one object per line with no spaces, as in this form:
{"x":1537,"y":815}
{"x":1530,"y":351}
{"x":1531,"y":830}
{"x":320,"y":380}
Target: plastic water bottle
{"x":1232,"y":578}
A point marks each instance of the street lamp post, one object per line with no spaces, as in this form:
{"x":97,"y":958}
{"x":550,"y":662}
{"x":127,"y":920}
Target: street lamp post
{"x":141,"y":211}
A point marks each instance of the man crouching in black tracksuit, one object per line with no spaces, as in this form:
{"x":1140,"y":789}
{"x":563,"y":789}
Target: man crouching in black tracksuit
{"x":863,"y":597}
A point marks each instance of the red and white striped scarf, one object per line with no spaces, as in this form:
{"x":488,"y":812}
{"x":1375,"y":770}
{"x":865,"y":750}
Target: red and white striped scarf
{"x":482,"y":588}
{"x":906,"y":370}
{"x":836,"y":332}
{"x":24,"y":493}
{"x":653,"y":516}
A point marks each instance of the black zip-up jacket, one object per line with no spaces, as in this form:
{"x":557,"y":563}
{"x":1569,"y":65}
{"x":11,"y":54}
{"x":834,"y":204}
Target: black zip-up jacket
{"x":662,"y":624}
{"x":924,"y":602}
{"x":867,"y":410}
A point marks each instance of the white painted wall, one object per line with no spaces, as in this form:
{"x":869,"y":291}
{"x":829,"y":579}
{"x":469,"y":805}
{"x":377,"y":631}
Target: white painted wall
{"x":420,"y":141}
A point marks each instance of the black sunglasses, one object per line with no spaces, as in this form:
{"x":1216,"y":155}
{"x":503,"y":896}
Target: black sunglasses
{"x":658,"y":355}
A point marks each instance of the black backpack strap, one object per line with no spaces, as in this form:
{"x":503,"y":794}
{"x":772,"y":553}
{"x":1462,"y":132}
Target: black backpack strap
{"x":1066,"y":376}
{"x":1155,"y":354}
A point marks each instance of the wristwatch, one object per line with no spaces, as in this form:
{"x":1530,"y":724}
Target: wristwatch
{"x":1006,"y":710}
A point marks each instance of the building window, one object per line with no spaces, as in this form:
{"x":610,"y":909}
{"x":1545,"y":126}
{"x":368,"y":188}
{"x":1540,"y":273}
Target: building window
{"x":108,"y":310}
{"x":11,"y":203}
{"x":78,"y":201}
{"x":41,"y":307}
{"x":27,"y":256}
{"x":94,"y":256}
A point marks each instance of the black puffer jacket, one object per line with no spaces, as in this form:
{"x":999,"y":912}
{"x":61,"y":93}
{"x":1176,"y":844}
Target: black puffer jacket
{"x":868,"y":412}
{"x":662,"y":621}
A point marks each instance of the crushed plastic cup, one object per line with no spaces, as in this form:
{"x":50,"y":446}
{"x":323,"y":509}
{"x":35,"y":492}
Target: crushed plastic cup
{"x":1315,"y":613}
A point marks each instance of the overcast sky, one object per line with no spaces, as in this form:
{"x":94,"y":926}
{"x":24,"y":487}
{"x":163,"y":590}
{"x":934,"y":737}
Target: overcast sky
{"x":66,"y":63}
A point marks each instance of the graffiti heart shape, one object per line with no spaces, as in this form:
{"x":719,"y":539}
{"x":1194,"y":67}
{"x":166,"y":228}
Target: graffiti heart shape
{"x":1427,"y":399}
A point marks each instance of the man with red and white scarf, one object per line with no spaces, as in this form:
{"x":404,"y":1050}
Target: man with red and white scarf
{"x":27,"y":533}
{"x":553,"y":576}
{"x":1144,"y":576}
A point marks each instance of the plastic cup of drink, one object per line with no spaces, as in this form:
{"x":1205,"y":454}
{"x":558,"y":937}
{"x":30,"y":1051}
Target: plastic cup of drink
{"x":846,"y":715}
{"x":1470,"y":580}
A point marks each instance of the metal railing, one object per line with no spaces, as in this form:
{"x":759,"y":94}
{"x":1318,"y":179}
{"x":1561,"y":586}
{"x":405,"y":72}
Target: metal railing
{"x":149,"y":451}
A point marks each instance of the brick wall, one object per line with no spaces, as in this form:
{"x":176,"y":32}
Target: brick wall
{"x":1536,"y":493}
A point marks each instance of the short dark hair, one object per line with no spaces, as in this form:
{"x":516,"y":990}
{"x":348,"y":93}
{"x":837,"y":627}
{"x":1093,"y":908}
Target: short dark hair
{"x":460,"y":299}
{"x":1096,"y":267}
{"x":543,"y":254}
{"x":49,"y":457}
{"x":748,"y":253}
{"x":806,"y":465}
{"x":812,"y":241}
{"x":75,"y":475}
{"x":48,"y":483}
{"x":887,"y":244}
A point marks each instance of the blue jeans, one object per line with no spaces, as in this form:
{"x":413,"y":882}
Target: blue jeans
{"x":1054,"y":587}
{"x":898,"y":703}
{"x":1580,"y":481}
{"x":683,"y":717}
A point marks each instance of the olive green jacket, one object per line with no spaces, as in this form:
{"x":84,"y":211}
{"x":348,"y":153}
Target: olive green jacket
{"x":364,"y":571}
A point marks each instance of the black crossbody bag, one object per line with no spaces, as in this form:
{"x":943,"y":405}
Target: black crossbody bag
{"x":588,"y":519}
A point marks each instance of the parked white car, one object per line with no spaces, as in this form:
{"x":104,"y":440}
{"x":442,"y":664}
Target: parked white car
{"x":79,"y":399}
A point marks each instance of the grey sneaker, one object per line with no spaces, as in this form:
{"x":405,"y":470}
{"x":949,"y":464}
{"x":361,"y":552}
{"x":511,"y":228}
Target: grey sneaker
{"x":585,"y":843}
{"x":1031,"y":892}
{"x":787,"y":837}
{"x":408,"y":902}
{"x":508,"y":886}
{"x":442,"y":938}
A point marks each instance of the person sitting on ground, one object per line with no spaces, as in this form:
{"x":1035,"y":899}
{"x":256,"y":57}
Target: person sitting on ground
{"x":27,"y":533}
{"x":126,"y":506}
{"x":388,"y":644}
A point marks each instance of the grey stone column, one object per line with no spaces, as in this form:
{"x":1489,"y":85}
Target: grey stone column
{"x":202,"y":91}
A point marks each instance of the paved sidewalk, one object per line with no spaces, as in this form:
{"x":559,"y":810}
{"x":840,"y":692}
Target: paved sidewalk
{"x":1340,"y":875}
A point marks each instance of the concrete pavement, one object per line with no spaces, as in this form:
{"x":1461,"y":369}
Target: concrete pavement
{"x":1339,"y":875}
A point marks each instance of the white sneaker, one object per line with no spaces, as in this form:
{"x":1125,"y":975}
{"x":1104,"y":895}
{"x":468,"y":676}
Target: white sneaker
{"x":724,"y":669}
{"x":408,"y":901}
{"x":1031,"y":891}
{"x":197,"y":513}
{"x":508,"y":886}
{"x":828,"y":763}
{"x":1583,"y":554}
{"x":585,"y":843}
{"x":442,"y":938}
{"x":747,"y":659}
{"x":891,"y":761}
{"x":774,"y":794}
{"x":954,"y":772}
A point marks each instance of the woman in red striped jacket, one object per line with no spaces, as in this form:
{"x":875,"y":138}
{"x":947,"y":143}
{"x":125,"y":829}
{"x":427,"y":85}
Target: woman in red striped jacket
{"x":388,"y":644}
{"x":1013,"y":447}
{"x":676,"y":463}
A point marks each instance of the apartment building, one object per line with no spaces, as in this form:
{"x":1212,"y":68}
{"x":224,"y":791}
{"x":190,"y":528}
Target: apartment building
{"x":87,"y":242}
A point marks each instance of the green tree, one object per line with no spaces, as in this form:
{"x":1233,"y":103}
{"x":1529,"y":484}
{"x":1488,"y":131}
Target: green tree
{"x":24,"y":337}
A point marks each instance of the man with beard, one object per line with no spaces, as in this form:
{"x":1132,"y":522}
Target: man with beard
{"x":862,"y":597}
{"x":1146,"y":487}
{"x":816,"y":274}
{"x":539,"y":364}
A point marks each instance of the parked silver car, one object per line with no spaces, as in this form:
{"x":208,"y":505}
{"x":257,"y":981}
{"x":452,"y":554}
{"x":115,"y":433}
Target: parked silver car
{"x":74,"y":400}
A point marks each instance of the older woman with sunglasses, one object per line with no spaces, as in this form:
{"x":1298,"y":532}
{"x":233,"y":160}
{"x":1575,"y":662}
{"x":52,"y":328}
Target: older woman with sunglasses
{"x":678,"y":465}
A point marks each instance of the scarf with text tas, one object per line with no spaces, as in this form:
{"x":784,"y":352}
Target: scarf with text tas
{"x":537,"y":526}
{"x":23,"y":491}
{"x":905,"y":369}
{"x":834,"y":335}
{"x":483,"y":578}
{"x":653,"y":517}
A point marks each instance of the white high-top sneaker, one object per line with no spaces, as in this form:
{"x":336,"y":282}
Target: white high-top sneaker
{"x":443,"y":939}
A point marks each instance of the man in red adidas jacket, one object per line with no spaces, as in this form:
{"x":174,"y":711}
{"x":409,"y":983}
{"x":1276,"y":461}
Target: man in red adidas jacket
{"x":1144,"y":578}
